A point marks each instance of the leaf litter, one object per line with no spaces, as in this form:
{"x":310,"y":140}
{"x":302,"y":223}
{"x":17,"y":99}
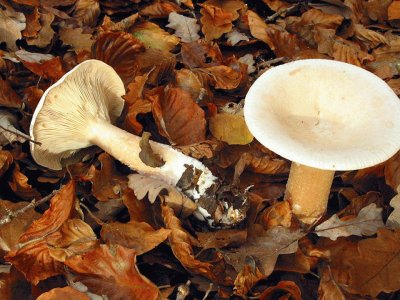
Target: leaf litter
{"x":186,"y":65}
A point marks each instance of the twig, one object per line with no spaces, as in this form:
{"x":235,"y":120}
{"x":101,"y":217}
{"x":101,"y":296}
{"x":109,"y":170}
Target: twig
{"x":208,"y":291}
{"x":13,"y":214}
{"x":282,"y":11}
{"x":20,"y":134}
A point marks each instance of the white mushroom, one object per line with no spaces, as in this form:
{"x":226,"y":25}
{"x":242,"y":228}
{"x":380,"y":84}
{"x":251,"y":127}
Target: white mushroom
{"x":78,"y":112}
{"x":324,"y":116}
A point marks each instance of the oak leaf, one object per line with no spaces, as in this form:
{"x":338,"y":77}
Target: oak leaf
{"x":111,"y":270}
{"x":64,"y":293}
{"x":368,"y":221}
{"x":222,"y":238}
{"x":139,"y":236}
{"x":185,"y":28}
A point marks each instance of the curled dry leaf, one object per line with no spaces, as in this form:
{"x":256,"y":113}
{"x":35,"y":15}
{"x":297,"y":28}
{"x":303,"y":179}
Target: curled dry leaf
{"x":86,"y":13}
{"x":153,"y":36}
{"x":20,"y":186}
{"x":111,"y":270}
{"x":46,"y":32}
{"x":160,"y":9}
{"x":185,"y":28}
{"x":230,"y":128}
{"x":222,"y":238}
{"x":181,"y":246}
{"x":6,"y":159}
{"x":368,"y":221}
{"x":178,"y":117}
{"x":370,"y":38}
{"x":377,"y":10}
{"x":393,"y":220}
{"x":33,"y":257}
{"x":107,"y":182}
{"x":287,"y":289}
{"x":123,"y":25}
{"x":10,"y":232}
{"x":153,"y":187}
{"x":206,"y":149}
{"x":139,"y":236}
{"x":64,"y":293}
{"x":221,"y":77}
{"x":8,"y":97}
{"x":147,"y":155}
{"x":201,"y":54}
{"x":378,"y":258}
{"x":11,"y":25}
{"x":246,"y":278}
{"x":188,"y":81}
{"x":119,"y":50}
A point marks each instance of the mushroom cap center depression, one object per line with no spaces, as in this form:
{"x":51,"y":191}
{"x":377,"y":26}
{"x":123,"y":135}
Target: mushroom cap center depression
{"x":324,"y":114}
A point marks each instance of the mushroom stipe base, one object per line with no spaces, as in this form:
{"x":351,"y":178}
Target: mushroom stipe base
{"x":307,"y":191}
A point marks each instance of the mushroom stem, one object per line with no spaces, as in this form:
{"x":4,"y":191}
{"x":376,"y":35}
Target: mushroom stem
{"x":307,"y":191}
{"x":125,"y":147}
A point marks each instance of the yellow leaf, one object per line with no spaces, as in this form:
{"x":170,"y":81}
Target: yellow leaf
{"x":231,"y":129}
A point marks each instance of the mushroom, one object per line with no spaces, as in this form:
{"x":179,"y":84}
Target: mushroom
{"x":78,"y":111}
{"x":323,"y":115}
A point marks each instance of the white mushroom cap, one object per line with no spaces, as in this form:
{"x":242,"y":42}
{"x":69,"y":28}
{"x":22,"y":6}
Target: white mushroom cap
{"x":324,"y":114}
{"x":61,"y":122}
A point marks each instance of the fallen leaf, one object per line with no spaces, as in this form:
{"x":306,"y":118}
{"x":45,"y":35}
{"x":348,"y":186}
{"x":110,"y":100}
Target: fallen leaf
{"x":246,"y":278}
{"x":45,"y":34}
{"x":119,"y":50}
{"x":123,"y":25}
{"x":265,"y":247}
{"x":283,"y":290}
{"x":201,"y":54}
{"x":32,"y":97}
{"x":64,"y":293}
{"x":76,"y":38}
{"x":8,"y":97}
{"x":52,"y":68}
{"x":32,"y":24}
{"x":279,"y":214}
{"x":370,"y":38}
{"x":112,"y":271}
{"x":20,"y":186}
{"x":221,"y":77}
{"x":23,"y":55}
{"x":368,"y":221}
{"x":139,"y":210}
{"x":205,"y":149}
{"x":6,"y":160}
{"x":394,"y":10}
{"x":10,"y":232}
{"x":328,"y":288}
{"x":147,"y":155}
{"x":222,"y":238}
{"x":230,"y":128}
{"x":107,"y":182}
{"x":393,"y":220}
{"x":181,"y":246}
{"x":378,"y":258}
{"x":377,"y":10}
{"x":188,"y":81}
{"x":276,"y":5}
{"x":138,"y":236}
{"x":11,"y":25}
{"x":160,"y":9}
{"x":182,"y":119}
{"x":86,"y":13}
{"x":392,"y":171}
{"x":152,"y":187}
{"x":153,"y":36}
{"x":185,"y":28}
{"x":235,"y":37}
{"x":8,"y":133}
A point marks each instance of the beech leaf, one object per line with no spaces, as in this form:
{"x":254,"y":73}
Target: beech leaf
{"x":393,"y":220}
{"x":368,"y":221}
{"x":230,"y":128}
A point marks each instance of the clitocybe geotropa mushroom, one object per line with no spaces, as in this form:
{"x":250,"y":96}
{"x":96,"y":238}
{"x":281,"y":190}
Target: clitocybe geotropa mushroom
{"x":78,"y":112}
{"x":324,"y":116}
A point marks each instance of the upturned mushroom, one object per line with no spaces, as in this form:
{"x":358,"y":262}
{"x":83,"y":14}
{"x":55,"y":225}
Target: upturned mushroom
{"x":78,"y":111}
{"x":324,"y":116}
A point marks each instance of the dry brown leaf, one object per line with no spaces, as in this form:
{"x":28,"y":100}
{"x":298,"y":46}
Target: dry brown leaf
{"x":258,"y":28}
{"x":10,"y":232}
{"x":32,"y":24}
{"x":107,"y":182}
{"x":221,"y":77}
{"x":153,"y":36}
{"x":8,"y":131}
{"x":160,"y":9}
{"x":395,"y":85}
{"x":138,"y":236}
{"x":65,"y":293}
{"x":222,"y":238}
{"x":370,"y":38}
{"x":45,"y":34}
{"x":394,"y":10}
{"x":20,"y":186}
{"x":189,"y":82}
{"x":180,"y":242}
{"x":283,"y":290}
{"x":377,"y":10}
{"x":379,"y":260}
{"x":230,"y":128}
{"x":6,"y":160}
{"x":32,"y":97}
{"x":123,"y":25}
{"x":52,"y":68}
{"x":8,"y":97}
{"x":139,"y":210}
{"x":201,"y":54}
{"x":276,"y":5}
{"x":112,"y":271}
{"x":146,"y":154}
{"x":206,"y":149}
{"x":33,"y":259}
{"x":86,"y":12}
{"x":11,"y":25}
{"x":279,"y":214}
{"x":76,"y":38}
{"x":392,"y":171}
{"x":182,"y":119}
{"x":245,"y":280}
{"x":328,"y":288}
{"x":119,"y":50}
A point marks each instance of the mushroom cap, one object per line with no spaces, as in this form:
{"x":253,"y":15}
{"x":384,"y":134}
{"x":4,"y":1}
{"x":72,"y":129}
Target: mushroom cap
{"x":90,"y":92}
{"x":324,"y":114}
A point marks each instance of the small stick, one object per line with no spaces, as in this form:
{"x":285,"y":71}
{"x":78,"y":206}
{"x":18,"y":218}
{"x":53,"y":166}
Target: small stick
{"x":13,"y":214}
{"x":281,"y":12}
{"x":20,"y":134}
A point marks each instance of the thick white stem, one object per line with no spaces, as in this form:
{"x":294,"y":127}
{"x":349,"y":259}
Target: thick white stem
{"x":125,"y":147}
